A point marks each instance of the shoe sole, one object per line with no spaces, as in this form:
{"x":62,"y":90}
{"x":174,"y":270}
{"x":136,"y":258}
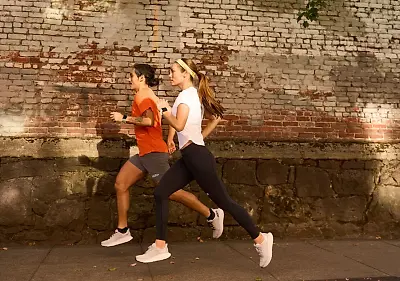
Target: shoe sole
{"x":118,"y":242}
{"x":158,"y":258}
{"x":222,"y":226}
{"x":270,"y":243}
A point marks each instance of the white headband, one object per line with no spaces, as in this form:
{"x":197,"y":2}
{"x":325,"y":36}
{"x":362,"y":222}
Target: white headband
{"x":187,"y":68}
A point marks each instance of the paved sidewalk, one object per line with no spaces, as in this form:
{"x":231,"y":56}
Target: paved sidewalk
{"x":208,"y":261}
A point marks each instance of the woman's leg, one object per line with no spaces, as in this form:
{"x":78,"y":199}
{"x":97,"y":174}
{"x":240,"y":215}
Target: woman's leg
{"x":191,"y":201}
{"x":156,"y":164}
{"x":177,"y":177}
{"x":201,"y":164}
{"x":129,"y":174}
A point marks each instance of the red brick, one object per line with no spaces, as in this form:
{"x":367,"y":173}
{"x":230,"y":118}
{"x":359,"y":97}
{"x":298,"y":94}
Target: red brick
{"x":267,"y":129}
{"x":70,"y":124}
{"x":300,"y":118}
{"x":78,"y":131}
{"x":272,"y":123}
{"x":290,"y":124}
{"x":57,"y":130}
{"x":320,"y":124}
{"x":37,"y":130}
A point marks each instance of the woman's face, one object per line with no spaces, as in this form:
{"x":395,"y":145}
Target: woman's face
{"x":134,"y":81}
{"x":176,"y":75}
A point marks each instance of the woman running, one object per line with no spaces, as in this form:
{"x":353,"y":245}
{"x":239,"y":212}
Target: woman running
{"x":197,"y":163}
{"x":152,"y":157}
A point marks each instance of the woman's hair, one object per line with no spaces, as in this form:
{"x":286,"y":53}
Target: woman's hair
{"x":148,"y":72}
{"x":206,"y":94}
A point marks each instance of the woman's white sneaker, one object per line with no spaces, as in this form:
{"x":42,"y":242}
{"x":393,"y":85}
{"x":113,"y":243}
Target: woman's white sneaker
{"x":217,"y":224}
{"x":154,"y":254}
{"x":117,"y":238}
{"x":265,"y":249}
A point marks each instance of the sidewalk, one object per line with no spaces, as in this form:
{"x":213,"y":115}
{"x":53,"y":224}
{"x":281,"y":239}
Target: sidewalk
{"x":208,"y":261}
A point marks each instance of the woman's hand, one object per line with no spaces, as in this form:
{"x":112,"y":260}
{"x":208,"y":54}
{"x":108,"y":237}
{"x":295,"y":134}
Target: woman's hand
{"x":163,"y":103}
{"x":171,"y":146}
{"x":116,"y":116}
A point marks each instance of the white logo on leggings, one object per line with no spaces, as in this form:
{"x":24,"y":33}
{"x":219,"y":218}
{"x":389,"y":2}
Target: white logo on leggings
{"x":155,"y":175}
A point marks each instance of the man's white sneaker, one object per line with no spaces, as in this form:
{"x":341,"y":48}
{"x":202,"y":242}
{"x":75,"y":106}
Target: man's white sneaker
{"x":154,"y":254}
{"x":265,"y":249}
{"x":217,"y":224}
{"x":117,"y":238}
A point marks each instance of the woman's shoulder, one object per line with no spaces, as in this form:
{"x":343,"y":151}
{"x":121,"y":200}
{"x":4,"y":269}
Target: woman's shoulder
{"x":189,"y":92}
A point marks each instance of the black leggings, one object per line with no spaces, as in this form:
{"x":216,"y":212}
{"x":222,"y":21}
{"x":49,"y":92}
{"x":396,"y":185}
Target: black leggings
{"x":197,"y":163}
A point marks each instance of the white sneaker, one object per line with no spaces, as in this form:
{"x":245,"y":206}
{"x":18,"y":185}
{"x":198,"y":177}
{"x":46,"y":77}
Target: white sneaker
{"x":117,"y":238}
{"x":217,"y":224}
{"x":265,"y":249}
{"x":154,"y":254}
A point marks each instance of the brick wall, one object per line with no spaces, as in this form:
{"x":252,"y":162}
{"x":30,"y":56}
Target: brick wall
{"x":64,"y":65}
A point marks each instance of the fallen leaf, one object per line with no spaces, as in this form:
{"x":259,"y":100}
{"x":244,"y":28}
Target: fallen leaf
{"x":197,"y":258}
{"x":112,"y":269}
{"x":258,"y":279}
{"x":5,"y":249}
{"x":94,"y":266}
{"x":133,"y":264}
{"x":140,"y":279}
{"x":171,"y":262}
{"x":378,"y":237}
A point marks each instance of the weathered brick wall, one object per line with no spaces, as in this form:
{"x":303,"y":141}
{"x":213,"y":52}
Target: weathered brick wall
{"x":64,"y":65}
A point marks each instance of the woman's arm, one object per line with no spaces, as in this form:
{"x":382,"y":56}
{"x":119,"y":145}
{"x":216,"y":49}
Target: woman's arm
{"x":212,"y":123}
{"x":146,"y":120}
{"x":171,"y":133}
{"x":170,"y":140}
{"x":182,"y":113}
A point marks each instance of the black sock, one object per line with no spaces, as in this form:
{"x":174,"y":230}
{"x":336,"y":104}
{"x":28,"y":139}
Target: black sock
{"x":122,"y":230}
{"x":212,"y":215}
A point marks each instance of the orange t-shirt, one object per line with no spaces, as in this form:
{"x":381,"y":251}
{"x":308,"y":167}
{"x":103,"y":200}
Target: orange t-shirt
{"x":149,"y":139}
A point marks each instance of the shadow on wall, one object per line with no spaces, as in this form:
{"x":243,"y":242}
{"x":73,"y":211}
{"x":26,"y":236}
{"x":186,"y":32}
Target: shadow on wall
{"x":372,"y":97}
{"x":40,"y":196}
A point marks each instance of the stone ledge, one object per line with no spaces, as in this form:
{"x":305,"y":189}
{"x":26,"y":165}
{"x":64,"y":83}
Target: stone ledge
{"x":120,"y":148}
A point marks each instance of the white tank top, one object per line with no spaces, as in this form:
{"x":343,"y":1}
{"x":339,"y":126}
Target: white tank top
{"x":192,"y":129}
